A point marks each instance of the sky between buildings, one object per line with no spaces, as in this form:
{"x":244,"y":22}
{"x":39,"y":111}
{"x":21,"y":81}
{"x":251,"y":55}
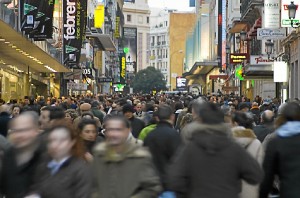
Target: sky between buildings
{"x":180,"y":5}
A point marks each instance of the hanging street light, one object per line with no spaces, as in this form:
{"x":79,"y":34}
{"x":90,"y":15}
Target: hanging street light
{"x":269,"y":47}
{"x":292,"y":9}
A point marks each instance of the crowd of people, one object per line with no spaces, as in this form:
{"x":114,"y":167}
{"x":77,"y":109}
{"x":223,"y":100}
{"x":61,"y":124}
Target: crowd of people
{"x":150,"y":146}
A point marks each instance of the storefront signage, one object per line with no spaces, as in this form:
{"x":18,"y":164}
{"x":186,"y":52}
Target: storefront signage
{"x":181,"y":83}
{"x":260,"y":60}
{"x":99,"y":16}
{"x":122,"y":69}
{"x":77,"y":86}
{"x":269,"y":33}
{"x":117,"y":30}
{"x":74,"y":22}
{"x":238,"y":57}
{"x":285,"y":21}
{"x":28,"y":10}
{"x":104,"y":80}
{"x":271,"y":14}
{"x":43,"y":27}
{"x":280,"y":72}
{"x":239,"y":72}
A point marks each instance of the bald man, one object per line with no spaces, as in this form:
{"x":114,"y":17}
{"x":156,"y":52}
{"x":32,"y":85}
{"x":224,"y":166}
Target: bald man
{"x":266,"y":127}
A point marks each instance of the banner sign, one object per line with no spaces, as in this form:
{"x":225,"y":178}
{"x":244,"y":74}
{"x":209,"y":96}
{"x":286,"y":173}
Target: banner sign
{"x":130,"y":45}
{"x":260,"y":60}
{"x":77,"y":86}
{"x":28,"y":11}
{"x":271,"y":14}
{"x":74,"y":26}
{"x":269,"y":33}
{"x":122,"y":69}
{"x":117,"y":29}
{"x":238,"y":57}
{"x":43,"y":24}
{"x":285,"y":21}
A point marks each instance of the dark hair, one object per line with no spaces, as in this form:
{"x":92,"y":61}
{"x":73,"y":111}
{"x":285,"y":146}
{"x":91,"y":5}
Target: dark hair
{"x":83,"y":122}
{"x":78,"y":148}
{"x":290,"y":112}
{"x":164,"y":112}
{"x":95,"y":104}
{"x":209,"y":113}
{"x":120,"y":118}
{"x":242,"y":119}
{"x":55,"y":112}
{"x":87,"y":114}
{"x":178,"y":105}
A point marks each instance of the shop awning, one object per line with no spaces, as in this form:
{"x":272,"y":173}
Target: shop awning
{"x":104,"y":40}
{"x":259,"y":71}
{"x":19,"y":53}
{"x":200,"y":68}
{"x":238,"y":27}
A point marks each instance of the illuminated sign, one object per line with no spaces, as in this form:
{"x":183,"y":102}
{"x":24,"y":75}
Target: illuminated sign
{"x":122,"y":69}
{"x":260,"y":60}
{"x":238,"y":58}
{"x":117,"y":30}
{"x":99,"y":16}
{"x":239,"y":72}
{"x":181,"y":83}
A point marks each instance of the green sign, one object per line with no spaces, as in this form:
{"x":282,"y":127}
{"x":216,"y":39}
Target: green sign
{"x":126,"y":50}
{"x":239,"y":72}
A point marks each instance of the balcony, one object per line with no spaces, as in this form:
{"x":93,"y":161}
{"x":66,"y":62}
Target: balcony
{"x":152,"y":44}
{"x":164,"y":43}
{"x":249,"y":9}
{"x":159,"y":56}
{"x":158,"y":43}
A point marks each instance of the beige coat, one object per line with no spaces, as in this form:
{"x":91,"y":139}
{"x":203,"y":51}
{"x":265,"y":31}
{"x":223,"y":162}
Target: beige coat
{"x":130,"y":174}
{"x":247,"y":139}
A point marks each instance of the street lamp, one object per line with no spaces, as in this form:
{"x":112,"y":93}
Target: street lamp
{"x":243,"y":35}
{"x":292,"y":9}
{"x":269,"y":48}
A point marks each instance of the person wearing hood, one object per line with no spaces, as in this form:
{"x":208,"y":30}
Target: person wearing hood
{"x":243,"y":134}
{"x":212,"y":165}
{"x":122,"y":168}
{"x":282,"y":154}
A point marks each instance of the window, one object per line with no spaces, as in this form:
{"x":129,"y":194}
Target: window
{"x":128,"y":17}
{"x":166,"y":23}
{"x":148,"y":20}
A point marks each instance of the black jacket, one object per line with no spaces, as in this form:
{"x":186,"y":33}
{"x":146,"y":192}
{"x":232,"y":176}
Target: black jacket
{"x":4,"y":120}
{"x":261,"y":131}
{"x":212,"y":166}
{"x":137,"y":126}
{"x":73,"y":180}
{"x":163,"y":142}
{"x":282,"y":158}
{"x":15,"y":181}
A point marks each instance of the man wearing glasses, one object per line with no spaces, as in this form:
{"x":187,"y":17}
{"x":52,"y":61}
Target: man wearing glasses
{"x":121,"y":167}
{"x":20,"y":161}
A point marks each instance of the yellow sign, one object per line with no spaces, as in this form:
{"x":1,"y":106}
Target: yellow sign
{"x":117,"y":30}
{"x":99,"y":16}
{"x":123,"y":70}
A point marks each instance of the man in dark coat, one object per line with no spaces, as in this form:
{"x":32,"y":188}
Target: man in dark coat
{"x":96,"y":111}
{"x":266,"y":127}
{"x":212,"y":165}
{"x":4,"y":119}
{"x":137,"y":125}
{"x":20,"y":161}
{"x":163,"y":141}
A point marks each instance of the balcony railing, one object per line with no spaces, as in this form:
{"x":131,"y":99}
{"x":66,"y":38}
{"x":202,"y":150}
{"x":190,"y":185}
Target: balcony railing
{"x":247,"y":5}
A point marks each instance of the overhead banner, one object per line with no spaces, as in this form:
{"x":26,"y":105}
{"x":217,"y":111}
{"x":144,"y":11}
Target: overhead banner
{"x":271,"y":14}
{"x":74,"y":26}
{"x":122,"y":60}
{"x":285,"y":21}
{"x":43,"y":24}
{"x":130,"y":46}
{"x":28,"y":11}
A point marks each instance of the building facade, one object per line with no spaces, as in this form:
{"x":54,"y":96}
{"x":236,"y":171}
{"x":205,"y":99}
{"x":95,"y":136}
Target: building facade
{"x":137,"y":16}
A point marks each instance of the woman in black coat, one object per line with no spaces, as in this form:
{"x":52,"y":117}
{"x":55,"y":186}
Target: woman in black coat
{"x":64,"y":173}
{"x":282,"y":156}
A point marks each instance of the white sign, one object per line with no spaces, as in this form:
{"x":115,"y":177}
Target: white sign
{"x":285,"y":21}
{"x":270,"y":33}
{"x":260,"y":60}
{"x":77,"y":86}
{"x":280,"y":72}
{"x":271,"y":14}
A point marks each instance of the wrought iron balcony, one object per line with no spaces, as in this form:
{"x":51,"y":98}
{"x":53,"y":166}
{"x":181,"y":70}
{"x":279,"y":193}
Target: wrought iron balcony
{"x":248,"y":7}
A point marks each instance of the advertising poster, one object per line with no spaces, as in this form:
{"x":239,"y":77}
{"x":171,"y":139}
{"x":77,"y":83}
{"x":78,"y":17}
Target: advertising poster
{"x":28,"y":11}
{"x":74,"y":22}
{"x":181,"y":84}
{"x":130,"y":47}
{"x":43,"y":24}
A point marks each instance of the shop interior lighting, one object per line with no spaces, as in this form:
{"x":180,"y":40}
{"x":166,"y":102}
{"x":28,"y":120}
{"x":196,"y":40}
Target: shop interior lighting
{"x":2,"y":39}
